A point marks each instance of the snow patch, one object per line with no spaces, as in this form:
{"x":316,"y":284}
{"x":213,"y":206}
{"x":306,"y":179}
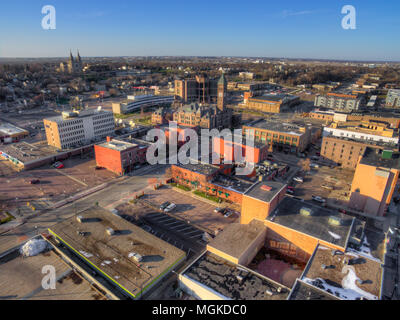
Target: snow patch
{"x":334,"y":235}
{"x":33,"y":247}
{"x":86,"y":254}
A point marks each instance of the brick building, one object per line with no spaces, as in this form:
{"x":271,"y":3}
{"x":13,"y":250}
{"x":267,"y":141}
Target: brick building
{"x":270,"y":103}
{"x":206,"y":116}
{"x":375,"y":181}
{"x":345,"y":151}
{"x":161,"y":116}
{"x":120,"y":156}
{"x":292,"y":137}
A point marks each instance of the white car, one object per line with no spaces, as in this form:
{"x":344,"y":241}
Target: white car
{"x":298,"y":179}
{"x":318,"y":199}
{"x":171,"y":207}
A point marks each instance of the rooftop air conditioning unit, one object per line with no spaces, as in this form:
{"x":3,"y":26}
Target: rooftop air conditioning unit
{"x":110,"y":231}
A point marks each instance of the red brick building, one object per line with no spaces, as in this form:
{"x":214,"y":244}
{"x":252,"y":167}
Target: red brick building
{"x":120,"y":156}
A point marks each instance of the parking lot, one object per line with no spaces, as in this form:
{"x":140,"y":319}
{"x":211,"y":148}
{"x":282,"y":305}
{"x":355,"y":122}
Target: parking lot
{"x":174,"y":231}
{"x":55,"y":185}
{"x":197,"y":212}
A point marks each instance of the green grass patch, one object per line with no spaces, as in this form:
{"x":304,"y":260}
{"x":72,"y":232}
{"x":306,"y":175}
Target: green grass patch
{"x":207,"y":196}
{"x":8,"y":218}
{"x":184,"y":188}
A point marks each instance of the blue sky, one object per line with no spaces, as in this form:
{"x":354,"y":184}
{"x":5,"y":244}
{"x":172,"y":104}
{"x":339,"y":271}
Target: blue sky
{"x":293,"y":29}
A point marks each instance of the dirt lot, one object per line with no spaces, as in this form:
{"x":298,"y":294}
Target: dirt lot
{"x":55,"y":185}
{"x":199,"y":213}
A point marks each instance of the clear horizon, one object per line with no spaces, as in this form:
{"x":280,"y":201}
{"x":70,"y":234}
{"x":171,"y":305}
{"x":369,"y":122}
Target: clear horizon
{"x":288,"y":30}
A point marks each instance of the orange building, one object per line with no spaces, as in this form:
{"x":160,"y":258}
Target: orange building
{"x":289,"y":136}
{"x":375,"y":181}
{"x":261,"y":199}
{"x":271,"y":103}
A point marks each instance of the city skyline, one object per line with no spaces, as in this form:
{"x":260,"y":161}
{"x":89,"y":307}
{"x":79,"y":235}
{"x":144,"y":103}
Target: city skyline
{"x":260,"y":29}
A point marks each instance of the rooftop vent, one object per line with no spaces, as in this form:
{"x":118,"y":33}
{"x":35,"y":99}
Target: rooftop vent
{"x":110,"y":231}
{"x":135,"y":256}
{"x":79,"y":219}
{"x":335,"y":221}
{"x":307,"y":212}
{"x":266,"y":188}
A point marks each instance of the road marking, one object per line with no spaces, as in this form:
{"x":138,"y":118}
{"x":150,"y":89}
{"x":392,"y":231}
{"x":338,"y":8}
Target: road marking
{"x":180,"y":226}
{"x":163,"y":219}
{"x":184,"y":229}
{"x":172,"y":223}
{"x":196,"y":236}
{"x":187,"y":233}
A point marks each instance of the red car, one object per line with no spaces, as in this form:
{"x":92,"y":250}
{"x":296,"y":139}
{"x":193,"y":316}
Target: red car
{"x":58,"y":165}
{"x":290,"y":188}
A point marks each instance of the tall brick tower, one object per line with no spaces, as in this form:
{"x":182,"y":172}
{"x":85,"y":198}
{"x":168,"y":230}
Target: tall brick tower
{"x":221,"y":93}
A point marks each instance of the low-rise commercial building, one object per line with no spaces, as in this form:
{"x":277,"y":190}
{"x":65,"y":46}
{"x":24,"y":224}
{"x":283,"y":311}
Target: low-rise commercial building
{"x":77,"y":128}
{"x":142,"y":101}
{"x":369,"y":131}
{"x":10,"y":133}
{"x":289,"y":136}
{"x":347,"y":151}
{"x":127,"y":258}
{"x":121,"y":155}
{"x":271,"y":103}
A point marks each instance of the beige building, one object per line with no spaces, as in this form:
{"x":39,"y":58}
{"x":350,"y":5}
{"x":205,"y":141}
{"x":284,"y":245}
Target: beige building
{"x":77,"y":128}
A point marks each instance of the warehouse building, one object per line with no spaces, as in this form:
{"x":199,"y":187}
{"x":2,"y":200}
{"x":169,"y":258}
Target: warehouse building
{"x":124,"y":255}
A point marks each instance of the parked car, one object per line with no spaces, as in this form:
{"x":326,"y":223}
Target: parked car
{"x":171,"y":207}
{"x":228,"y":214}
{"x":318,"y":154}
{"x":291,"y":188}
{"x":35,"y":181}
{"x":290,"y":191}
{"x":342,"y":211}
{"x":220,"y":210}
{"x":58,"y":165}
{"x":298,"y":179}
{"x":164,"y":205}
{"x":314,"y":165}
{"x":315,"y":158}
{"x":318,"y":199}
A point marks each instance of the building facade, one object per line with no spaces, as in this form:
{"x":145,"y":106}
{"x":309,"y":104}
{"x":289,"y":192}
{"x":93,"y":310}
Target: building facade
{"x":142,"y":101}
{"x":201,"y":90}
{"x":337,"y":101}
{"x":271,"y":103}
{"x":74,"y":65}
{"x":393,"y":98}
{"x":374,"y":181}
{"x":293,"y":137}
{"x":120,"y":156}
{"x":77,"y":128}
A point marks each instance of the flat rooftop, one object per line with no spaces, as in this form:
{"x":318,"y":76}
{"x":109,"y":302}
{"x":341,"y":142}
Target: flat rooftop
{"x":373,"y":157}
{"x":236,"y":237}
{"x":11,"y":130}
{"x":77,"y":115}
{"x":305,"y":291}
{"x":348,"y":276}
{"x":21,"y":278}
{"x":118,"y":145}
{"x":277,"y":126}
{"x":112,"y":255}
{"x":221,"y":275}
{"x":232,"y":183}
{"x":205,"y":169}
{"x":363,"y":141}
{"x":26,"y":152}
{"x":316,"y":225}
{"x":259,"y":191}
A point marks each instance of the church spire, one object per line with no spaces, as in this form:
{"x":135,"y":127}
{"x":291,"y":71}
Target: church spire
{"x":71,"y":57}
{"x":79,"y":57}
